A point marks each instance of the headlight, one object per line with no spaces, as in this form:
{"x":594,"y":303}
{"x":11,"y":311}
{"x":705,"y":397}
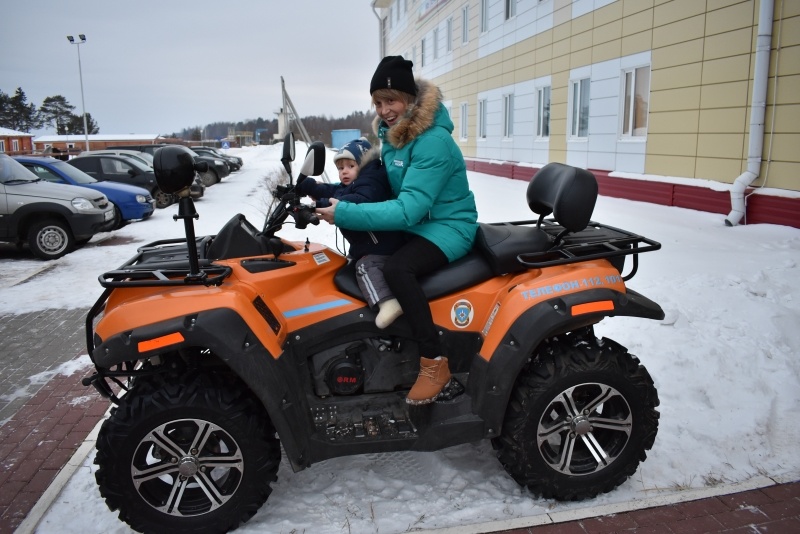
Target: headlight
{"x":82,"y":204}
{"x":218,"y":162}
{"x":141,"y":199}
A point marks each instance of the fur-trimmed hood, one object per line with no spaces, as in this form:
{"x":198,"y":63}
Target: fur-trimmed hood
{"x":418,"y":117}
{"x":370,"y":155}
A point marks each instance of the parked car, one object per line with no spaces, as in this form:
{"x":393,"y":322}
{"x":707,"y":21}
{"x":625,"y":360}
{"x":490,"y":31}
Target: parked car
{"x":217,"y":168}
{"x":131,"y":202}
{"x":123,"y":169}
{"x":144,"y":157}
{"x":234,"y":162}
{"x":52,"y":219}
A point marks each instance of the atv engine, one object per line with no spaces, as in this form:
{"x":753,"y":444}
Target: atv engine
{"x":370,"y":365}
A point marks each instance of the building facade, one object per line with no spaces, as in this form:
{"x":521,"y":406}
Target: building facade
{"x":657,"y":97}
{"x":13,"y":142}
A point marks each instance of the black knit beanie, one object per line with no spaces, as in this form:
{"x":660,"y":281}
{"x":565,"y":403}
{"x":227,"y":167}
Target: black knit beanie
{"x":394,"y":72}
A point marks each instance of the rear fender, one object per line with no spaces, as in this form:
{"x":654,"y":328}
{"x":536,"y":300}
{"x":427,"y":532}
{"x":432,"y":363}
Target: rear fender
{"x":494,"y":373}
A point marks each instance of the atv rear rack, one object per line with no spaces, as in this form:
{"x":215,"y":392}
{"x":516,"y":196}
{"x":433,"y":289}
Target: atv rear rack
{"x":597,"y":241}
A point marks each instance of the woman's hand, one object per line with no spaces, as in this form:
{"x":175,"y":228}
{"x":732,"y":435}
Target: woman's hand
{"x":328,"y":214}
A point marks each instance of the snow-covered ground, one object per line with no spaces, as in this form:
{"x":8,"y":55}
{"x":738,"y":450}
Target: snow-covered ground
{"x":725,"y":362}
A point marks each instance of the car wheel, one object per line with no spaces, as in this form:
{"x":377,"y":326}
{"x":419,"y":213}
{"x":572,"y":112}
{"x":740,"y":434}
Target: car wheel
{"x":117,"y":218}
{"x":162,"y":199}
{"x":209,"y":177}
{"x":195,"y":453}
{"x":580,"y":418}
{"x":50,"y":239}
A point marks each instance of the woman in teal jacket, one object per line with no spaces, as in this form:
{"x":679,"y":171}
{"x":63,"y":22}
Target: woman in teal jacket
{"x":433,"y":204}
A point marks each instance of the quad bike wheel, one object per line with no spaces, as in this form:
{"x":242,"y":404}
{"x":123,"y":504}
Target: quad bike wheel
{"x":581,"y":416}
{"x":194,"y":453}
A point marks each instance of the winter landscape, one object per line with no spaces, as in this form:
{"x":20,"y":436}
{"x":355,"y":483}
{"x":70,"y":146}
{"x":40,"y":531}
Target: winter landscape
{"x":724,"y":360}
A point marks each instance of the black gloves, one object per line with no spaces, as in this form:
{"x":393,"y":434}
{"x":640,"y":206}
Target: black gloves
{"x":305,"y":187}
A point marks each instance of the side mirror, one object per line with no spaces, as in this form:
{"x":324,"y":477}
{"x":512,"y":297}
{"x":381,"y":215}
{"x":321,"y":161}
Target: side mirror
{"x":314,"y":164}
{"x":288,"y":153}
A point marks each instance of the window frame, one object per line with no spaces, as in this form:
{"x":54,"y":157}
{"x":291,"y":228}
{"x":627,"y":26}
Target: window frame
{"x":629,"y":109}
{"x":482,"y":115}
{"x":484,"y":16}
{"x":465,"y":24}
{"x":510,"y":9}
{"x":463,"y":121}
{"x":508,"y":115}
{"x":577,"y":92}
{"x":542,"y":117}
{"x":449,"y":35}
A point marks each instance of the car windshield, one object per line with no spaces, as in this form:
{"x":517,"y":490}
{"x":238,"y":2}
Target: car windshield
{"x":75,"y":173}
{"x":13,"y":171}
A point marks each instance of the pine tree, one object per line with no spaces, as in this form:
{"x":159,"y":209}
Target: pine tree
{"x":56,"y":111}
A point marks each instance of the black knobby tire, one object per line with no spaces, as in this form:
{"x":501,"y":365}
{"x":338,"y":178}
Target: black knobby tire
{"x":147,"y":452}
{"x":580,"y":419}
{"x":50,"y":239}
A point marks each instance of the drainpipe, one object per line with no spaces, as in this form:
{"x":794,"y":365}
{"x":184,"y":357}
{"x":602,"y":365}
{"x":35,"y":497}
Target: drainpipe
{"x":758,"y":107}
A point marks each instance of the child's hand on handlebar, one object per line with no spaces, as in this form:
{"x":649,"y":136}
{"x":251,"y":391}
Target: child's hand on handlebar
{"x":328,"y":214}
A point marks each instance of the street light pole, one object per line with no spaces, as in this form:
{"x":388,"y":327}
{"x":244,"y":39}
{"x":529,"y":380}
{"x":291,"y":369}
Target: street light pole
{"x":72,"y":40}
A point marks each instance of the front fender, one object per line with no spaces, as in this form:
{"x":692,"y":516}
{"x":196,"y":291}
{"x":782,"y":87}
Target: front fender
{"x":492,"y":378}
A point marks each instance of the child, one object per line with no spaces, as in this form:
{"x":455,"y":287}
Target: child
{"x":431,"y":201}
{"x":363,"y":179}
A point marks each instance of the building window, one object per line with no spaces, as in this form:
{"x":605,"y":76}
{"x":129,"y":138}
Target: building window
{"x":482,"y":119}
{"x":511,"y":9}
{"x":436,"y":43}
{"x":15,"y":145}
{"x":2,"y":146}
{"x":636,"y":102}
{"x":543,"y":112}
{"x":579,"y":122}
{"x":449,"y":45}
{"x":422,"y":53}
{"x":465,"y":24}
{"x":508,"y":116}
{"x":463,"y":120}
{"x":484,"y":16}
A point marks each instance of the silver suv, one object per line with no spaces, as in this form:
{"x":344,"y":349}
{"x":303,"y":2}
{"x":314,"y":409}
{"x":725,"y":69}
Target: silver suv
{"x":52,"y":218}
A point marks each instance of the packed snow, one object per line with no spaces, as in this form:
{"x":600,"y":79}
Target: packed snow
{"x":724,"y":360}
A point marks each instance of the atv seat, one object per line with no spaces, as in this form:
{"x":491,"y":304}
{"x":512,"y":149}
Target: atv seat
{"x":566,"y":192}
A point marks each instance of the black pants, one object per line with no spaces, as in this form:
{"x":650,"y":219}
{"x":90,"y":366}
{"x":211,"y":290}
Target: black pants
{"x":414,"y":259}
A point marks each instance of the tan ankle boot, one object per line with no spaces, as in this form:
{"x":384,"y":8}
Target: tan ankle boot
{"x":433,"y":377}
{"x":389,"y":310}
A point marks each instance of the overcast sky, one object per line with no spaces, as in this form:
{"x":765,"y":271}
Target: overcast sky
{"x":161,"y":66}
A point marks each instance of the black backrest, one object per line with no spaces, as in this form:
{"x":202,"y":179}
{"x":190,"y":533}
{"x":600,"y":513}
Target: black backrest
{"x":568,"y":193}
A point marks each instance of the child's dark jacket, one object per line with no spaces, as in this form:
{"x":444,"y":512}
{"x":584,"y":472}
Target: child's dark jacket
{"x":371,"y":185}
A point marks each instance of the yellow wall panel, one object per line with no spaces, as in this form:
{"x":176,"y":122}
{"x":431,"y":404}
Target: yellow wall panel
{"x":724,"y":95}
{"x":606,"y":51}
{"x":673,"y":122}
{"x":580,"y":58}
{"x":669,"y":165}
{"x":786,"y":119}
{"x":678,"y":54}
{"x":607,"y":32}
{"x":681,"y":98}
{"x":637,"y":22}
{"x":718,"y":145}
{"x":680,"y":31}
{"x":684,"y":144}
{"x":580,"y":41}
{"x":668,"y":12}
{"x":725,"y":120}
{"x":718,"y":169}
{"x":781,"y":174}
{"x":788,"y":90}
{"x":632,"y":7}
{"x":728,"y":44}
{"x":731,"y":18}
{"x":790,"y":32}
{"x":789,"y":62}
{"x":638,"y":42}
{"x":680,"y":76}
{"x":726,"y":69}
{"x":607,"y":14}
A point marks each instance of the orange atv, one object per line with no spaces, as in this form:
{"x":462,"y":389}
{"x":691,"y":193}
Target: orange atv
{"x":220,"y":350}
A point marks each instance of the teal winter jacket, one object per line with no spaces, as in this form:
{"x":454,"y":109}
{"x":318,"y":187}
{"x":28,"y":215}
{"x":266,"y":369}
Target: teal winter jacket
{"x":428,"y":177}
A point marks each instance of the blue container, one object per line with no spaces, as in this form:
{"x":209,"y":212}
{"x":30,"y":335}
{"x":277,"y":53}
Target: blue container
{"x":339,"y":138}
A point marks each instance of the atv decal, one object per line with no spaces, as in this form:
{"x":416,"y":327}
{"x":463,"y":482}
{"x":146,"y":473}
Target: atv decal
{"x":316,"y":308}
{"x":490,"y":320}
{"x":462,"y":313}
{"x":320,"y":258}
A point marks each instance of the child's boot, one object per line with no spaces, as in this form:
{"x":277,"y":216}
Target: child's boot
{"x":433,"y":377}
{"x":389,"y":310}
